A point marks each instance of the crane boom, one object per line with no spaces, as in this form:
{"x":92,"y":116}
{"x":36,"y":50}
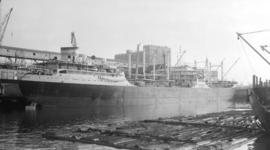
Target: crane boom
{"x":179,"y":59}
{"x":231,"y":67}
{"x":263,"y":47}
{"x":253,"y":48}
{"x":4,"y":24}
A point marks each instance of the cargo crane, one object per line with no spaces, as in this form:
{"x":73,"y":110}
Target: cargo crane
{"x":3,"y":25}
{"x":240,"y":36}
{"x":230,"y":68}
{"x":180,"y":57}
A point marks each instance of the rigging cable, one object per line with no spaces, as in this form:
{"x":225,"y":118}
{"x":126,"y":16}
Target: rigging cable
{"x":265,"y":30}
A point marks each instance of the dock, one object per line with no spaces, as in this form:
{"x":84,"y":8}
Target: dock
{"x":224,"y":130}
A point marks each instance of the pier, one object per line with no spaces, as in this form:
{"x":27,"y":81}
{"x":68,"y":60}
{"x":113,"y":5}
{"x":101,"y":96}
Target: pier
{"x":24,"y":53}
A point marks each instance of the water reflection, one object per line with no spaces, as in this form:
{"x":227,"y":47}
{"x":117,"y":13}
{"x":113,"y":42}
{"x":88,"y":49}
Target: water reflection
{"x":23,"y":129}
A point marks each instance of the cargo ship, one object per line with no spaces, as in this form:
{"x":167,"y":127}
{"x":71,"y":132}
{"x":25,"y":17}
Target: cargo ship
{"x":71,"y":82}
{"x":70,"y":85}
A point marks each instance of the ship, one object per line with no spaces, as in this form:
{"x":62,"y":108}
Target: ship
{"x":68,"y":80}
{"x":10,"y":92}
{"x":57,"y":84}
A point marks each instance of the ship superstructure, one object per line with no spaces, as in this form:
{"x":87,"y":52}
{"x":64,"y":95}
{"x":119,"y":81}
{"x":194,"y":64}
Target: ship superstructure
{"x":60,"y":72}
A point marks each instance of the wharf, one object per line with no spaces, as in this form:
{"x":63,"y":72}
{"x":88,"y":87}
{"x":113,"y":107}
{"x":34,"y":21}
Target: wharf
{"x":226,"y":130}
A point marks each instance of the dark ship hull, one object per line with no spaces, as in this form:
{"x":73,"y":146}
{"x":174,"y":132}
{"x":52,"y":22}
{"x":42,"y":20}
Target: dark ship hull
{"x":134,"y":102}
{"x":10,"y":90}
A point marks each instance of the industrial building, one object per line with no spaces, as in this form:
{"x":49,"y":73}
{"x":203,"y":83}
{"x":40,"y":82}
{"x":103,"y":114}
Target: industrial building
{"x":153,"y":54}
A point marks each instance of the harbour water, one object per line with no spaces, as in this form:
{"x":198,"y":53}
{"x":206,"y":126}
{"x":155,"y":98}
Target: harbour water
{"x":22,"y":129}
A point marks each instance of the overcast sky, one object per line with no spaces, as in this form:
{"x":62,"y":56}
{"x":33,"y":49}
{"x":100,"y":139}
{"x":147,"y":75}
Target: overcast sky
{"x":106,"y":27}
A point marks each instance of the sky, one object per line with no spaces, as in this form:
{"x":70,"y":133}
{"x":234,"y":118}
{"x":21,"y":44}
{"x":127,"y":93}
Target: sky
{"x":204,"y":29}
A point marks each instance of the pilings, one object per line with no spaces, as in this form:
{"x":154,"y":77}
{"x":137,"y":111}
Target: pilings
{"x":258,"y":82}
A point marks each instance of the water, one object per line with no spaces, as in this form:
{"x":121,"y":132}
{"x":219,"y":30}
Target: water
{"x":21,"y":129}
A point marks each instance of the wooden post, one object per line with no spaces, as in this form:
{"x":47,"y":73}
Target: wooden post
{"x":256,"y":81}
{"x":253,"y":81}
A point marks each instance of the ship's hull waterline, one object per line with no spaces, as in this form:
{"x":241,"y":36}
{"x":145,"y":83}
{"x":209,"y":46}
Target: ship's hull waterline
{"x":126,"y":101}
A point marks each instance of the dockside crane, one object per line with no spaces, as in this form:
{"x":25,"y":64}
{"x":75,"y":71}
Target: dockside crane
{"x":3,"y":25}
{"x":240,"y":36}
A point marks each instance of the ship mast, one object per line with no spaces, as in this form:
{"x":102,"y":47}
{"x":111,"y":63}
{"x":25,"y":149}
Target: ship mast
{"x":239,"y":35}
{"x":137,"y":61}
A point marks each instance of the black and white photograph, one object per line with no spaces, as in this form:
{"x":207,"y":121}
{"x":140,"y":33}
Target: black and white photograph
{"x":134,"y":75}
